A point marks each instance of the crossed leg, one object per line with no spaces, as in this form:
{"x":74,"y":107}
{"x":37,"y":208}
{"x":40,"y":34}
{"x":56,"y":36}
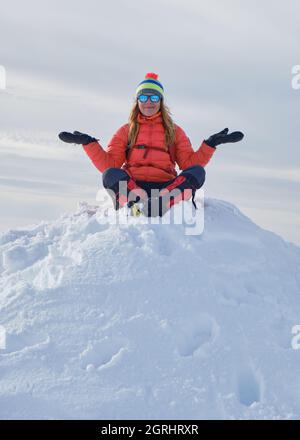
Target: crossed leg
{"x":123,"y":189}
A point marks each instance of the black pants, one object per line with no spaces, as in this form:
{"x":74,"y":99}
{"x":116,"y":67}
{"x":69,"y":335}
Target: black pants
{"x":191,"y":178}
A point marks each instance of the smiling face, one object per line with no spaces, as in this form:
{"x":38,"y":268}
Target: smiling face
{"x":149,"y":108}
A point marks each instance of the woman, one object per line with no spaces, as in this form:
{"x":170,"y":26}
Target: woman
{"x":139,"y":164}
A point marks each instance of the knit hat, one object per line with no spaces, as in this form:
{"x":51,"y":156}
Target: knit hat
{"x":150,"y":84}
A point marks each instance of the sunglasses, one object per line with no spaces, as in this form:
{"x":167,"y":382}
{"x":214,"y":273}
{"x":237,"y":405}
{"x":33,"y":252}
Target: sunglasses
{"x":153,"y":98}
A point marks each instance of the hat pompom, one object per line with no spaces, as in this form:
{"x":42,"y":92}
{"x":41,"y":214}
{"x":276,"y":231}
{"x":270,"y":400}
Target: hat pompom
{"x":151,"y":75}
{"x":150,"y":83}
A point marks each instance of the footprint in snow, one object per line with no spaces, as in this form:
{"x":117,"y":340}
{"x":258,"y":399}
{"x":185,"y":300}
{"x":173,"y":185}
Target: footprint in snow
{"x":248,"y":387}
{"x":103,"y":354}
{"x":196,"y":335}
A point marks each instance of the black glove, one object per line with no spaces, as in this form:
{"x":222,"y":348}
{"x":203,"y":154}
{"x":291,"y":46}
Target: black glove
{"x":76,"y":138}
{"x":224,"y":138}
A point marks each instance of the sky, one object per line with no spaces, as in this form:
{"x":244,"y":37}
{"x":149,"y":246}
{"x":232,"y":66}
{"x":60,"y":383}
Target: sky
{"x":74,"y":65}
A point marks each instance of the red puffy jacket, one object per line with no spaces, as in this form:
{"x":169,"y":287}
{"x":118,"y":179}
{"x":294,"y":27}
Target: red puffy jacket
{"x":149,"y":159}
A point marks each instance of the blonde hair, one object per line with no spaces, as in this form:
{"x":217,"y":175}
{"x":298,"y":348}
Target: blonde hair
{"x":166,"y":120}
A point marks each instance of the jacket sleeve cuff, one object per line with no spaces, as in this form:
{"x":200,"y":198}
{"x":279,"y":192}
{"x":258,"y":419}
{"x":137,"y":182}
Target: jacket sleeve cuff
{"x":207,"y":148}
{"x":91,"y":146}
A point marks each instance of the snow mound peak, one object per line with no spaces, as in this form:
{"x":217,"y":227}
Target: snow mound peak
{"x":140,"y":320}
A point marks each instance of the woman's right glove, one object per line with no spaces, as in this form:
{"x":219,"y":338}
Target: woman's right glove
{"x":76,"y":138}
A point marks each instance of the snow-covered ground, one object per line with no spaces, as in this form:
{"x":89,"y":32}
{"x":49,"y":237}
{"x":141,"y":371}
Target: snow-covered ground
{"x":137,"y":320}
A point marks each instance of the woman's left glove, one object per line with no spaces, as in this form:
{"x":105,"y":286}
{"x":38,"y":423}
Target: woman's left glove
{"x":224,"y":138}
{"x":76,"y":138}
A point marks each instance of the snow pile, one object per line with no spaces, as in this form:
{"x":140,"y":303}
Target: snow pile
{"x":141,"y":320}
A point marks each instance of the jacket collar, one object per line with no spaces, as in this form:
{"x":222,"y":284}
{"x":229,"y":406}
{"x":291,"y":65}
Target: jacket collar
{"x":148,"y":119}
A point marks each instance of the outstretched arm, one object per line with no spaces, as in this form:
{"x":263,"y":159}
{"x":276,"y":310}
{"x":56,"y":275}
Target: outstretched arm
{"x":186,"y":156}
{"x":113,"y":157}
